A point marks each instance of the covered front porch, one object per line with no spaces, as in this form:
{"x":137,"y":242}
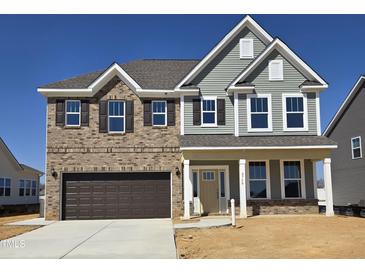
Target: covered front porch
{"x":262,"y":180}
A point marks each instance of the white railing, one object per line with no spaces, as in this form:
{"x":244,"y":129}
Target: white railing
{"x":321,"y":194}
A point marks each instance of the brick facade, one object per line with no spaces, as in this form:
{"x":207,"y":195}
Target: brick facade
{"x":84,"y":149}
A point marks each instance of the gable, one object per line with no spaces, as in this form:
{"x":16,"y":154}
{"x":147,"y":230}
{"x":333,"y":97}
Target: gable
{"x":8,"y":163}
{"x":228,"y":64}
{"x":292,"y":76}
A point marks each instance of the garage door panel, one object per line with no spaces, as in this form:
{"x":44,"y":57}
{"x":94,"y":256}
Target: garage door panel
{"x":116,"y":196}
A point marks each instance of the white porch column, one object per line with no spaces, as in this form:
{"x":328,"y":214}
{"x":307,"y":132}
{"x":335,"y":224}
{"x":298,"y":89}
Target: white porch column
{"x":328,"y":186}
{"x":242,"y":186}
{"x":187,"y":189}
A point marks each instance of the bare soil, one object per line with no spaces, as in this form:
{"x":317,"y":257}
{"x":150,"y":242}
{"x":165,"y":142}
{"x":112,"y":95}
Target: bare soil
{"x":7,"y":231}
{"x":307,"y":237}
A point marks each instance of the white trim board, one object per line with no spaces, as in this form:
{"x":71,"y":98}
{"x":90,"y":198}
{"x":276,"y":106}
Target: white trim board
{"x":260,"y":147}
{"x":246,"y":22}
{"x":343,"y":106}
{"x":287,"y":53}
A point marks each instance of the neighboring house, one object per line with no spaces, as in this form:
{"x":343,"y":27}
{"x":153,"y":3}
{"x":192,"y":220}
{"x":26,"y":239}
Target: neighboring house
{"x":347,"y":128}
{"x":18,"y":183}
{"x":161,"y":138}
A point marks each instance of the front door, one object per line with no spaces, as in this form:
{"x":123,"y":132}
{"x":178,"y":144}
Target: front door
{"x":209,"y":191}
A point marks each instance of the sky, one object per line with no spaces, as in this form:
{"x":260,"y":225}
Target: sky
{"x":39,"y":49}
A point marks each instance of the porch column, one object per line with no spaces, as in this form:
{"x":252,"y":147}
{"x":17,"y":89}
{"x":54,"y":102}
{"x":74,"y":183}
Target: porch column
{"x":328,"y":186}
{"x":242,"y":186}
{"x":187,"y":189}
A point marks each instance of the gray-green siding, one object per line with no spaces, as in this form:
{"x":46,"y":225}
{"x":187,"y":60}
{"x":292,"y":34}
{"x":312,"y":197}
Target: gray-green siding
{"x":216,"y":77}
{"x":275,"y":178}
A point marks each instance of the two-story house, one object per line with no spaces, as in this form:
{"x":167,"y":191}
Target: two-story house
{"x":161,"y":138}
{"x":347,"y":129}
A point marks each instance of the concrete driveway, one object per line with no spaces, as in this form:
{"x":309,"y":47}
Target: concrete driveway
{"x":142,"y":239}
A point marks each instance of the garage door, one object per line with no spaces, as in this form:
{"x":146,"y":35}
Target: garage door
{"x":116,"y":195}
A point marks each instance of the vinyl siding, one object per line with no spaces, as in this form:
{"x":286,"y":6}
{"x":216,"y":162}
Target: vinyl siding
{"x":215,"y":78}
{"x":292,"y":79}
{"x":348,"y":175}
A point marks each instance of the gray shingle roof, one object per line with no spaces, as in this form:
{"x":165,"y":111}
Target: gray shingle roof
{"x":149,"y":74}
{"x":252,"y":141}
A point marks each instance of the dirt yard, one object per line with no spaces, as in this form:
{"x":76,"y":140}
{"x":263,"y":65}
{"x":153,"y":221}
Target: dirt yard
{"x":277,"y":237}
{"x":7,"y":231}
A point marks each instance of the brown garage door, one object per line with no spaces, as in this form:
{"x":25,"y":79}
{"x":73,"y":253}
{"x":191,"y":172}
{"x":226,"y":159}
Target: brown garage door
{"x":116,"y":195}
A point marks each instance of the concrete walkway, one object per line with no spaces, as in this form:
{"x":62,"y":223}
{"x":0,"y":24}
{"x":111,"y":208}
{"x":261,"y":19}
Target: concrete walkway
{"x":35,"y":221}
{"x":95,"y":239}
{"x":205,"y":223}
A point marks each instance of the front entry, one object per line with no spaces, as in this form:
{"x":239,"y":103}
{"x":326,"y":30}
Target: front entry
{"x":209,"y":191}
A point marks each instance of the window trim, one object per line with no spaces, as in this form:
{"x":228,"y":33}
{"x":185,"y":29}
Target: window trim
{"x":281,"y":78}
{"x":20,"y":187}
{"x":302,"y":179}
{"x":305,"y":112}
{"x":352,"y":148}
{"x":268,"y":182}
{"x":242,"y":56}
{"x":165,"y":113}
{"x":79,"y":113}
{"x":269,"y":113}
{"x":6,"y":178}
{"x":210,"y":180}
{"x":215,"y":124}
{"x":116,"y":116}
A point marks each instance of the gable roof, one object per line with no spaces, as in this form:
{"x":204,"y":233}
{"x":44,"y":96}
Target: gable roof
{"x":345,"y":105}
{"x":247,"y":21}
{"x":12,"y":158}
{"x":150,"y":74}
{"x":292,"y":57}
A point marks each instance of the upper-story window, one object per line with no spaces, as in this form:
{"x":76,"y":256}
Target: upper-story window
{"x":276,"y":70}
{"x":295,"y":112}
{"x":159,"y":113}
{"x":5,"y":185}
{"x":73,"y":112}
{"x":246,"y":48}
{"x":259,"y":112}
{"x":116,"y":116}
{"x":356,"y":147}
{"x":209,"y":111}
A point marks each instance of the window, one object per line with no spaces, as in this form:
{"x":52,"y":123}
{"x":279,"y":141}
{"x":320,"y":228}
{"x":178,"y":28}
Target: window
{"x":73,"y":113}
{"x":159,"y":113}
{"x":276,"y":70}
{"x":34,"y":188}
{"x":209,"y":112}
{"x":27,"y":187}
{"x":116,"y":116}
{"x":5,"y":185}
{"x":208,"y":175}
{"x":195,"y":184}
{"x":222,"y":184}
{"x":258,"y":181}
{"x":356,"y":147}
{"x":293,"y":185}
{"x":259,"y":112}
{"x":246,"y":48}
{"x":294,"y":113}
{"x":21,"y":188}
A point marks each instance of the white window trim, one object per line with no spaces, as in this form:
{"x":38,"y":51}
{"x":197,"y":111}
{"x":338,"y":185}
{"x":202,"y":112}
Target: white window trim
{"x":305,"y":112}
{"x":116,"y":116}
{"x":242,"y":56}
{"x":268,"y":183}
{"x":269,"y":112}
{"x":271,"y":78}
{"x":66,"y":112}
{"x":165,"y":113}
{"x":202,"y":111}
{"x":208,"y":180}
{"x":352,"y":147}
{"x":302,"y":180}
{"x":5,"y":178}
